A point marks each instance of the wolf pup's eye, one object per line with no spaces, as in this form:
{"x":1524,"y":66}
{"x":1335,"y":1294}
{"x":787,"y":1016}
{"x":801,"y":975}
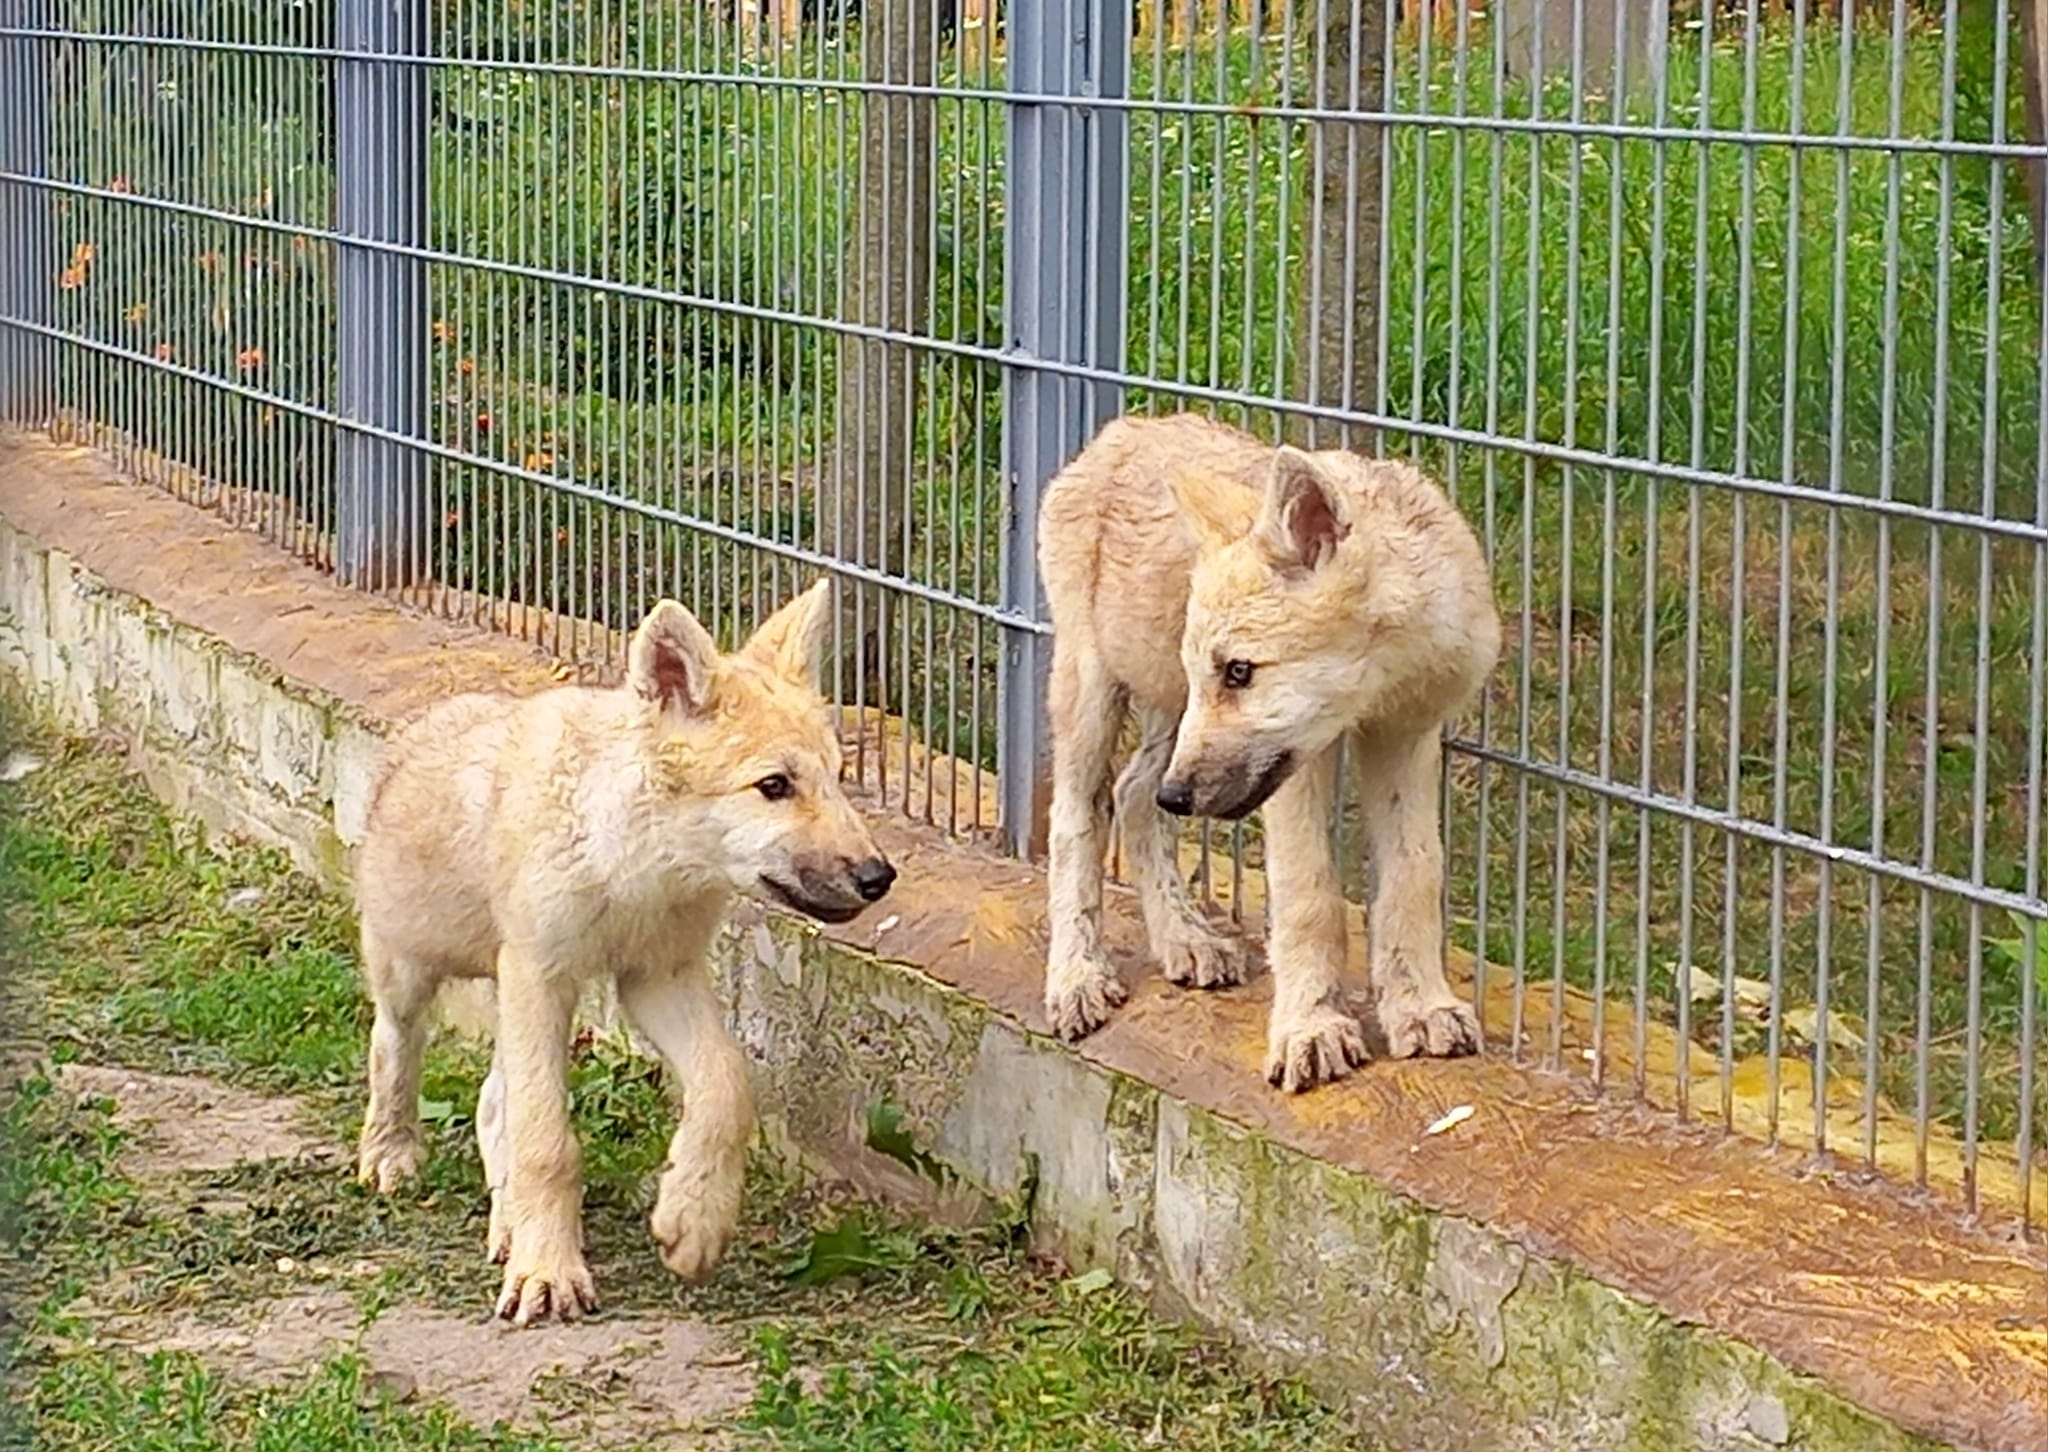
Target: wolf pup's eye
{"x":1237,"y":674}
{"x":776,"y":788}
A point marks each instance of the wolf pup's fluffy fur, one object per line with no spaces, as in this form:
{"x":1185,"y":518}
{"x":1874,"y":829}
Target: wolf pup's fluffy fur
{"x":1255,"y":605}
{"x":579,"y":833}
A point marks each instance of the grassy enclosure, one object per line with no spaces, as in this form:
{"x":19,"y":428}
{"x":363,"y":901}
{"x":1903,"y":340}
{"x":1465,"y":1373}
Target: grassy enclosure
{"x":642,"y":221}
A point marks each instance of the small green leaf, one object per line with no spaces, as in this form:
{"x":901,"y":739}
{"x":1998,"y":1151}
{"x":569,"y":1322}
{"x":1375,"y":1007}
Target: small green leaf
{"x":1090,"y":1282}
{"x":887,"y":1135}
{"x":845,"y":1249}
{"x":436,"y":1111}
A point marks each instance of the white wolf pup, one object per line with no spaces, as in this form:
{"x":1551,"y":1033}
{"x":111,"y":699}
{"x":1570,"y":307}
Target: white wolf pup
{"x":579,"y":833}
{"x":1255,"y":605}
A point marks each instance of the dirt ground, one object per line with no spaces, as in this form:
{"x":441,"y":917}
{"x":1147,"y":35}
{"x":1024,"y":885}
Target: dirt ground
{"x":631,"y":1381}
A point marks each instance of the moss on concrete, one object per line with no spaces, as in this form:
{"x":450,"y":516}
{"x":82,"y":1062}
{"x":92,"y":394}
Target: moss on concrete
{"x":1411,"y":1318}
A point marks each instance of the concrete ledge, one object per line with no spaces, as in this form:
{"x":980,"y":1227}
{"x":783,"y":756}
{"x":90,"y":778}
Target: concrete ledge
{"x":1559,"y":1272}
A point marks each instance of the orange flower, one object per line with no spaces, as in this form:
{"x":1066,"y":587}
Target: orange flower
{"x":136,"y":312}
{"x":537,"y":462}
{"x":451,"y":519}
{"x":483,"y":423}
{"x":118,"y":184}
{"x":208,"y":261}
{"x":465,"y":365}
{"x":249,"y":359}
{"x":163,"y":352}
{"x":444,"y":332}
{"x":81,"y":265}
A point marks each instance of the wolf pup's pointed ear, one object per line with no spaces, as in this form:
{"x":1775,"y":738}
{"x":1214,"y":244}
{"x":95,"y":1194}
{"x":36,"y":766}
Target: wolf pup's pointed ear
{"x":791,"y":642}
{"x":1305,"y":517}
{"x":671,"y":660}
{"x":1205,"y":509}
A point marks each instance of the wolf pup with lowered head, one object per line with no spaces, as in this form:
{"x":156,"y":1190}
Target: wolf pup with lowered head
{"x":1254,"y":605}
{"x":578,"y":833}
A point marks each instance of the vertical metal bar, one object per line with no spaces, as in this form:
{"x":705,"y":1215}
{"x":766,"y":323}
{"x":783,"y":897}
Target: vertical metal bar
{"x":978,"y":514}
{"x":1496,"y":171}
{"x":1738,"y":573}
{"x":1660,"y":163}
{"x":1986,"y":604}
{"x":381,"y":304}
{"x":1063,"y":293}
{"x":1532,"y":331}
{"x":1881,"y":653}
{"x":1688,"y":842}
{"x":1604,"y":829}
{"x":1561,"y":874}
{"x":2031,"y":943}
{"x":26,"y":264}
{"x":1788,"y":471}
{"x":1454,"y":482}
{"x":1832,"y":626}
{"x":1930,"y":774}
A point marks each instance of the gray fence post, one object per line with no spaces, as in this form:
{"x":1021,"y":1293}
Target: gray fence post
{"x":1063,"y":288}
{"x":380,"y":195}
{"x":28,"y":269}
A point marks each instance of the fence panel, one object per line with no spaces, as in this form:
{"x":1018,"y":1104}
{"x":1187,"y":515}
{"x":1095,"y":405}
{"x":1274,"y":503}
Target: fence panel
{"x":1726,"y":328}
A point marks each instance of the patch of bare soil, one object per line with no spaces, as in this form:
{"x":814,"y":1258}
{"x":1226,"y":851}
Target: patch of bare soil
{"x":19,"y":1058}
{"x":184,"y":1124}
{"x":644,"y":1382}
{"x":641,"y":1382}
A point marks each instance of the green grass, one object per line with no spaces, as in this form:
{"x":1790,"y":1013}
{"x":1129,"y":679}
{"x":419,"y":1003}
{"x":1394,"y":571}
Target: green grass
{"x":172,"y":1403}
{"x":127,"y":940}
{"x":1671,"y":301}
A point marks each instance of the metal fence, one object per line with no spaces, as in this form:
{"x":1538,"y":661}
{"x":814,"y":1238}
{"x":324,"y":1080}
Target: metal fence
{"x":1723,"y":324}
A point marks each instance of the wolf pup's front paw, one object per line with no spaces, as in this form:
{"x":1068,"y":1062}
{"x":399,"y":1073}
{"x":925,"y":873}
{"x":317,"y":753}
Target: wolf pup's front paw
{"x":1445,"y":1029}
{"x":691,"y":1242}
{"x":543,"y":1281}
{"x":1192,"y":955}
{"x":1080,"y":997}
{"x":695,"y":1213}
{"x":386,"y":1159}
{"x":1315,"y":1047}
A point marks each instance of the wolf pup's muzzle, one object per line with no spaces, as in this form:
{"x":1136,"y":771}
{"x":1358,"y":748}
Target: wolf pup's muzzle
{"x":1227,"y":794}
{"x":838,"y":895}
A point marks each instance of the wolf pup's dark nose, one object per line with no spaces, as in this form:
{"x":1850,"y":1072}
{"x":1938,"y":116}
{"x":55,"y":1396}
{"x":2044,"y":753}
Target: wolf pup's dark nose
{"x":1176,"y":797}
{"x":873,"y":878}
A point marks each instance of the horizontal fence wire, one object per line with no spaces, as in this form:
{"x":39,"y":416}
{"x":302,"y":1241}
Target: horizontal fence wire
{"x":1722,"y":323}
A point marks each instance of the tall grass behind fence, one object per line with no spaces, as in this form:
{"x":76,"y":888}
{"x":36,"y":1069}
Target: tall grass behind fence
{"x":1737,"y":361}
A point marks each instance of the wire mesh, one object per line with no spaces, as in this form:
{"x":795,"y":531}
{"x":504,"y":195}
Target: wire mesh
{"x":1722,"y":323}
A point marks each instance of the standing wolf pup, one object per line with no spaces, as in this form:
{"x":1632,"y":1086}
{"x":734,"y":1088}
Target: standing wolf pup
{"x":580,"y":833}
{"x":1255,"y":605}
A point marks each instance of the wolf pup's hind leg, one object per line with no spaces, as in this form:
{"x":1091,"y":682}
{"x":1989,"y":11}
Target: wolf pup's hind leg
{"x":545,"y":1272}
{"x":1421,"y":1014}
{"x":392,"y":1147}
